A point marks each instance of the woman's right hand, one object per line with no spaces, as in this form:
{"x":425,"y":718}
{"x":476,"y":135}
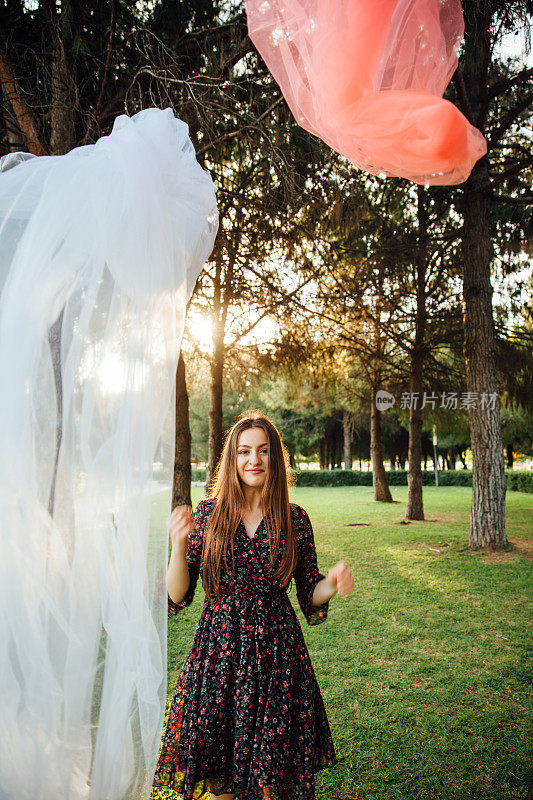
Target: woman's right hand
{"x":180,"y":524}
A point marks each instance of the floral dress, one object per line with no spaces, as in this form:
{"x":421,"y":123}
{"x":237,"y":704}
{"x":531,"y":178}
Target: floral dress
{"x":247,"y":716}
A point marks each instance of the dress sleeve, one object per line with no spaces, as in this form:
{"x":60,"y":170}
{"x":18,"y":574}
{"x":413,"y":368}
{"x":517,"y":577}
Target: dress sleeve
{"x":306,"y":574}
{"x":193,"y":556}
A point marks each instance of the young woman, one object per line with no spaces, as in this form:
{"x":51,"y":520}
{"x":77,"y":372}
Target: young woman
{"x":247,"y":719}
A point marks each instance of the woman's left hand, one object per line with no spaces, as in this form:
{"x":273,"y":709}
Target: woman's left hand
{"x":340,"y":577}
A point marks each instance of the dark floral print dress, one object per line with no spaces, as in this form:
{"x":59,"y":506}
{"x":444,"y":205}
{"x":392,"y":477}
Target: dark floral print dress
{"x":247,"y":716}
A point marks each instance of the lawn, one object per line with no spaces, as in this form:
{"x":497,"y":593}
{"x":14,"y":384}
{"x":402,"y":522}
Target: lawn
{"x":426,"y":669}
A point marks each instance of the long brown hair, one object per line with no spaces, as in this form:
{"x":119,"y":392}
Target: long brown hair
{"x":226,"y":489}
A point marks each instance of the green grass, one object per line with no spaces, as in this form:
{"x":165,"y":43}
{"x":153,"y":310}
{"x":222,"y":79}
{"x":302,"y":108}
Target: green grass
{"x":426,"y":669}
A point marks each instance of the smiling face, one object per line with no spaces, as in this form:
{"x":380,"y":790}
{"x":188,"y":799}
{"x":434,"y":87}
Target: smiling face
{"x":253,"y":453}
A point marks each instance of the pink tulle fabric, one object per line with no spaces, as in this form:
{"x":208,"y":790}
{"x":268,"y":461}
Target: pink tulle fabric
{"x":367,"y":77}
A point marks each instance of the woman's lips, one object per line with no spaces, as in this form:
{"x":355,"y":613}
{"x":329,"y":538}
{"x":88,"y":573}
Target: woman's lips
{"x":254,"y":470}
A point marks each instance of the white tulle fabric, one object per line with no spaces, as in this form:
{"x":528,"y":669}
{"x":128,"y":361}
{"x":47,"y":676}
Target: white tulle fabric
{"x":99,"y":252}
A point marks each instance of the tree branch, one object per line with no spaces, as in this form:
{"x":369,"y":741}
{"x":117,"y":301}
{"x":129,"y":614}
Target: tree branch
{"x":509,"y":118}
{"x":500,"y":87}
{"x":513,"y":201}
{"x":245,"y":47}
{"x":198,"y":42}
{"x":516,"y":169}
{"x":233,"y":134}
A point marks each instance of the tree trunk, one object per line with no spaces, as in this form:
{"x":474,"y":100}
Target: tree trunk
{"x":379,"y":476}
{"x":63,"y":101}
{"x":322,"y":453}
{"x":339,"y":447}
{"x":347,"y":436}
{"x":330,"y":450}
{"x":487,"y":521}
{"x":510,"y":457}
{"x":26,"y":119}
{"x":215,"y":409}
{"x":62,"y":106}
{"x":415,"y":501}
{"x":217,"y":375}
{"x":181,"y":487}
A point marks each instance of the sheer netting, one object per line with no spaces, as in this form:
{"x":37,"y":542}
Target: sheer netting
{"x":367,"y":77}
{"x":99,"y":252}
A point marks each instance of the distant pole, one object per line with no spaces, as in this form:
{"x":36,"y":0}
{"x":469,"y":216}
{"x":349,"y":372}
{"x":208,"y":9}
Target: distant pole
{"x":435,"y":462}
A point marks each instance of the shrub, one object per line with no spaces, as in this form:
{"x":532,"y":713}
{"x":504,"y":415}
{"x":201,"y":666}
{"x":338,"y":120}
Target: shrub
{"x":517,"y":481}
{"x":520,"y":481}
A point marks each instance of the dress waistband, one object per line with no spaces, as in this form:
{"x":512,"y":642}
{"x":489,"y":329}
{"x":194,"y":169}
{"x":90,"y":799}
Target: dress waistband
{"x":247,"y":595}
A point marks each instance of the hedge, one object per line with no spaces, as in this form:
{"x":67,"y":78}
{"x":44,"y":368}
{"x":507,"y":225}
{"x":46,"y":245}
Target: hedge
{"x":396,"y":477}
{"x":519,"y":481}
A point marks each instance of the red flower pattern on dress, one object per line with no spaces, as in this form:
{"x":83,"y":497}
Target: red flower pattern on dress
{"x":247,"y":716}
